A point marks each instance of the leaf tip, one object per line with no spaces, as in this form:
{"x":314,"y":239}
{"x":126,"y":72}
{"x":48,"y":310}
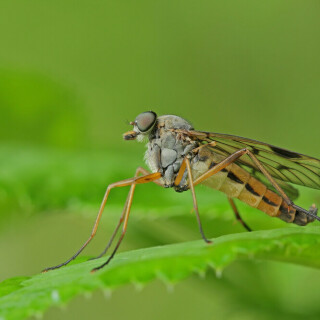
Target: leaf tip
{"x":107,"y":293}
{"x":138,"y":286}
{"x":169,"y":286}
{"x":55,"y":296}
{"x":38,"y":315}
{"x":218,"y":273}
{"x":88,"y":295}
{"x":200,"y":272}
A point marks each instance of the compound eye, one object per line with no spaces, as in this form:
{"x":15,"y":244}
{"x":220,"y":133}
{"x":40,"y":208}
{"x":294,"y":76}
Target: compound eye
{"x":146,"y":120}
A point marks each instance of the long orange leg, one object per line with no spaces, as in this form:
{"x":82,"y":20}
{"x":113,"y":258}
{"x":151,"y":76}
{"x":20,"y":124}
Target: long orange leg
{"x":123,"y":183}
{"x":139,"y":170}
{"x":237,"y":214}
{"x":186,"y":165}
{"x":138,"y":180}
{"x":218,"y":167}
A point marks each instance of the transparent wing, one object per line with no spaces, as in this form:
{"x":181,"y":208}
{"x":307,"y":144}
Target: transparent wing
{"x":282,"y":164}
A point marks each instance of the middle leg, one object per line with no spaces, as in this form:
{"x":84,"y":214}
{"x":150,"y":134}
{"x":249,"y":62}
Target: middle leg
{"x":186,"y":165}
{"x":237,"y":214}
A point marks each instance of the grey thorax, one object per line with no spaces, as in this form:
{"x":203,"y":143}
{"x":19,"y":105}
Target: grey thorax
{"x":166,"y":150}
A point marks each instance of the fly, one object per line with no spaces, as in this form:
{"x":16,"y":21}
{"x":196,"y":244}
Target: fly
{"x":180,"y":157}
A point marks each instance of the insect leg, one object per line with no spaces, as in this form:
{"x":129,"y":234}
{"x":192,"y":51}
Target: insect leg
{"x":115,"y":231}
{"x":186,"y":164}
{"x":138,"y":180}
{"x":123,"y":183}
{"x":237,"y":214}
{"x":139,"y":170}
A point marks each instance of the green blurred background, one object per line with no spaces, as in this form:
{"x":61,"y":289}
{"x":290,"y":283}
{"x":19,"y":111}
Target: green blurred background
{"x":72,"y":73}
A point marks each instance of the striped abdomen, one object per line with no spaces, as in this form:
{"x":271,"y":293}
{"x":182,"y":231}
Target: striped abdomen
{"x":236,"y":182}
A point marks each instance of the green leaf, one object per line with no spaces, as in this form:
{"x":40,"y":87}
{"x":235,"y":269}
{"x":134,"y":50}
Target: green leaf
{"x":23,"y":297}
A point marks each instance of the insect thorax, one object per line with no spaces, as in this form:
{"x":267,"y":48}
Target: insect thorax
{"x":167,"y":149}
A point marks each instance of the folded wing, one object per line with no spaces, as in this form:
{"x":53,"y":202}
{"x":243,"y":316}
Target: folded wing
{"x":282,"y":164}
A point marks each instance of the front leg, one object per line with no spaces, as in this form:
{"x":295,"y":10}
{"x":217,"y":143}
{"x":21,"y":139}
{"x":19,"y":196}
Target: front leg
{"x":139,"y":171}
{"x":127,"y":182}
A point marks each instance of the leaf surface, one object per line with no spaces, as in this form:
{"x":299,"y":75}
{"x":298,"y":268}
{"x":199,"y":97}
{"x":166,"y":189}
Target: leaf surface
{"x":23,"y":297}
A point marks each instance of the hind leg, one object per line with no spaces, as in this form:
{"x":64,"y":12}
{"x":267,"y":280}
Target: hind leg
{"x":237,"y":214}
